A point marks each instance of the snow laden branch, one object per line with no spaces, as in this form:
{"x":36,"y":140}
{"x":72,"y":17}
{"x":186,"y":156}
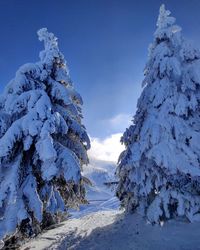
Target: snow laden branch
{"x":160,"y":169}
{"x":43,"y":144}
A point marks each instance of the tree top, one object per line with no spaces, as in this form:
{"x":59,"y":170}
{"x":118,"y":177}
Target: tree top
{"x":50,"y":40}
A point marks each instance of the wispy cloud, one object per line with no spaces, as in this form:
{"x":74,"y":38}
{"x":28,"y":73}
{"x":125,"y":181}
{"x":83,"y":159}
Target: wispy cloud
{"x":120,"y":122}
{"x":116,"y":124}
{"x":107,"y":149}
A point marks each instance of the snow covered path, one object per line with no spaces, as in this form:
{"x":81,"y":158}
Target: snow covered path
{"x":71,"y":233}
{"x":112,"y":230}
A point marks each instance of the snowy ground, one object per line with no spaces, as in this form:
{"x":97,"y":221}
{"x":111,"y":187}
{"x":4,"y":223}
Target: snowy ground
{"x":102,"y":226}
{"x":108,"y":230}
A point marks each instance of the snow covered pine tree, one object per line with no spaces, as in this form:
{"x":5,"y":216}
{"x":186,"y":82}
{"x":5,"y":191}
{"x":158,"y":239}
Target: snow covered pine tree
{"x":159,"y":170}
{"x":42,"y":144}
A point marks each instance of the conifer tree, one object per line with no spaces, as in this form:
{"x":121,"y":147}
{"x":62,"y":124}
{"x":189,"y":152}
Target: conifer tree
{"x":159,"y":170}
{"x":43,"y":144}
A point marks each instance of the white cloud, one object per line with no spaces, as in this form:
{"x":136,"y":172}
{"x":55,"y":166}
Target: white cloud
{"x":107,"y":149}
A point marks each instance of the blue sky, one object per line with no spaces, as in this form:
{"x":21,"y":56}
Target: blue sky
{"x":104,"y":42}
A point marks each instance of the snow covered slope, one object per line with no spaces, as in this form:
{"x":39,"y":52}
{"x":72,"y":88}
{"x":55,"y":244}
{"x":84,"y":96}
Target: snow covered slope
{"x":99,"y":173}
{"x":100,"y":196}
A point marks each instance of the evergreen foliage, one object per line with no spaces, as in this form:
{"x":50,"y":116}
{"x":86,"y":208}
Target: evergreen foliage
{"x":159,"y":170}
{"x":43,"y":144}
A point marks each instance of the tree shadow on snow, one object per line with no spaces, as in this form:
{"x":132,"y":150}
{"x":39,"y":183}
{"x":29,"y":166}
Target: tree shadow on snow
{"x":131,"y":232}
{"x":100,"y":238}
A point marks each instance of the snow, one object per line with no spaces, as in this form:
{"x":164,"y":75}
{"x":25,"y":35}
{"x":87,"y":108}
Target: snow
{"x":158,"y":172}
{"x":102,"y":225}
{"x":100,"y":196}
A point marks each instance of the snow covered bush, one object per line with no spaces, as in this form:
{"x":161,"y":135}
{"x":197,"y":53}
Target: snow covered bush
{"x":159,"y":170}
{"x":42,"y":144}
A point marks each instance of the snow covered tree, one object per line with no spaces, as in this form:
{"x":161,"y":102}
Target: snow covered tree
{"x":159,"y":170}
{"x":43,"y":144}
